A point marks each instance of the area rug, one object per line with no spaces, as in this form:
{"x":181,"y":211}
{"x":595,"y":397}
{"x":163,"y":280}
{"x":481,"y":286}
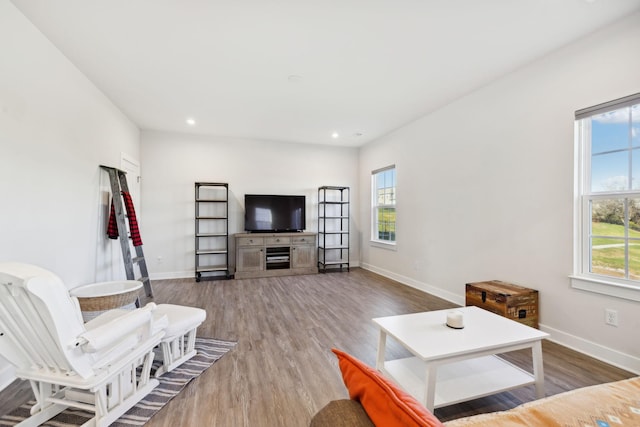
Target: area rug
{"x":171,"y":383}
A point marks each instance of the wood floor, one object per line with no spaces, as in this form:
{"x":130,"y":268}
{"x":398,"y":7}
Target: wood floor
{"x":282,"y":370}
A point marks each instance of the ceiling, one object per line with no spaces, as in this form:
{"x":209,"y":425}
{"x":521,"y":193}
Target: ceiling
{"x":300,"y":70}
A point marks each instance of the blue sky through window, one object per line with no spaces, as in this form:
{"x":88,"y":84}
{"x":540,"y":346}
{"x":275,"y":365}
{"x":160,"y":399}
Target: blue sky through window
{"x":385,"y":186}
{"x":615,"y":148}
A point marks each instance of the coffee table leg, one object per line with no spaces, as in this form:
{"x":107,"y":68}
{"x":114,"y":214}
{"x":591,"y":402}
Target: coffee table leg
{"x":538,"y":370}
{"x":430,"y":387}
{"x":382,"y":345}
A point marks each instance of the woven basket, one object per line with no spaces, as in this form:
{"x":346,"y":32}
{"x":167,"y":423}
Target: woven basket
{"x":101,"y":303}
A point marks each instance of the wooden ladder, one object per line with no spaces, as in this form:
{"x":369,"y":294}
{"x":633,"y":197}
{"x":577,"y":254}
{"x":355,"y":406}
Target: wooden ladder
{"x":118,"y":180}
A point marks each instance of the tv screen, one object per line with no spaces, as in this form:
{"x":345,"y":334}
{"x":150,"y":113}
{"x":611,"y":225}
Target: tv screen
{"x":274,"y":213}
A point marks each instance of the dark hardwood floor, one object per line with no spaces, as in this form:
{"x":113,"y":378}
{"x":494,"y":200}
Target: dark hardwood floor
{"x":282,"y":370}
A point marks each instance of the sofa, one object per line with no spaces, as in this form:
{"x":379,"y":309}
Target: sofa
{"x":376,"y":401}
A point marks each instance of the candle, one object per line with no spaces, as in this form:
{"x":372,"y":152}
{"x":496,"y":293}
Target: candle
{"x":455,"y":319}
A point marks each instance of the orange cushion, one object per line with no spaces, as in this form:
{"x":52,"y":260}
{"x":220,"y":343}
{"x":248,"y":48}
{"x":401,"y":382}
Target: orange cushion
{"x":386,"y":404}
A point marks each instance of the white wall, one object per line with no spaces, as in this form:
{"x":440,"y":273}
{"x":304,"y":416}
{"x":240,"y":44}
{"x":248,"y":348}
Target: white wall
{"x":172,"y":163}
{"x":56,"y":129}
{"x":485,"y":190}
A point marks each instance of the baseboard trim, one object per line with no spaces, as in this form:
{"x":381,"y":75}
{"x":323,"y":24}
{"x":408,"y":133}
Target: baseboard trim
{"x":172,"y":275}
{"x":605,"y":354}
{"x":7,"y":376}
{"x":608,"y":355}
{"x":438,"y":292}
{"x":191,"y":274}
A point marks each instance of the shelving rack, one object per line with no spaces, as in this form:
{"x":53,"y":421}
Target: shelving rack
{"x":333,"y":228}
{"x":212,"y":230}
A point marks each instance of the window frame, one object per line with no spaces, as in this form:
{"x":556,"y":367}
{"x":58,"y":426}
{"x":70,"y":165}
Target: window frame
{"x":374,"y":240}
{"x":583,"y":278}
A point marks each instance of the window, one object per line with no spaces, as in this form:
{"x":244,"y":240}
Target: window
{"x":608,"y":198}
{"x":383,"y":200}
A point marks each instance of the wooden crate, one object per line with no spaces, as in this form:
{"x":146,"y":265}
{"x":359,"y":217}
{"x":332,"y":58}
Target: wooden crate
{"x":511,"y":301}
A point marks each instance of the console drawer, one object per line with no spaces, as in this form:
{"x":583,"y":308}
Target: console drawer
{"x":251,"y":241}
{"x":301,"y":240}
{"x":284,"y":240}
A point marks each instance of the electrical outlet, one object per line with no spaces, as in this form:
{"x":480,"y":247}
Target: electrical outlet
{"x":611,"y":317}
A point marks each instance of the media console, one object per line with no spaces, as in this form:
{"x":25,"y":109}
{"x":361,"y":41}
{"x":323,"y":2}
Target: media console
{"x":275,"y":254}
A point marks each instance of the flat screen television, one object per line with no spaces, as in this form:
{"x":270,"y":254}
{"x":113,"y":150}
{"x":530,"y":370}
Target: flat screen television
{"x":265,"y":213}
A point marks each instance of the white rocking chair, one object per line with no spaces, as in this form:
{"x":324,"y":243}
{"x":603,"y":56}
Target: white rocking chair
{"x":101,"y":367}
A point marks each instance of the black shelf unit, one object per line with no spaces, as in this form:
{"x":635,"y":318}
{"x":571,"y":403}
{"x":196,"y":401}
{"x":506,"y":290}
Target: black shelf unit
{"x":212,"y":231}
{"x":333,"y":228}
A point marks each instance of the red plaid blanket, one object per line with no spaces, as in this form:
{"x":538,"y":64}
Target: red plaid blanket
{"x":134,"y":230}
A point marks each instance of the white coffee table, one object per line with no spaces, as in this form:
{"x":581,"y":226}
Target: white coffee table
{"x":456,"y":365}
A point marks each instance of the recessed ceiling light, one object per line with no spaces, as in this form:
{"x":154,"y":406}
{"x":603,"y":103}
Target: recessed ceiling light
{"x":335,"y":135}
{"x":294,"y":78}
{"x":191,"y":121}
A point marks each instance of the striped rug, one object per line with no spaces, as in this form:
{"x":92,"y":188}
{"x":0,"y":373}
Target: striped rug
{"x":171,"y":383}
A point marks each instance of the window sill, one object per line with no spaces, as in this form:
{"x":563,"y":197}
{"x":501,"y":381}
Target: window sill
{"x":605,"y":287}
{"x":383,"y":245}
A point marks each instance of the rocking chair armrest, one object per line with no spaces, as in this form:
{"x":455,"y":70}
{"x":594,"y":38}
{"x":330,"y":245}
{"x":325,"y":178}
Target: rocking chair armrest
{"x":104,"y":336}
